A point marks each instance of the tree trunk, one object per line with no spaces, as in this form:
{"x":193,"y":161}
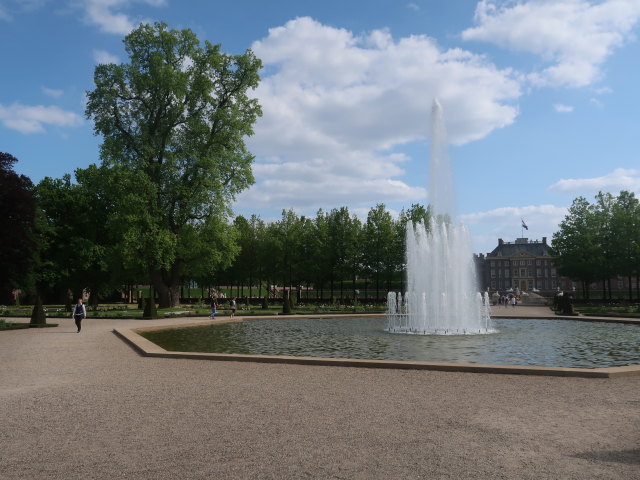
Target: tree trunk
{"x":167,"y":285}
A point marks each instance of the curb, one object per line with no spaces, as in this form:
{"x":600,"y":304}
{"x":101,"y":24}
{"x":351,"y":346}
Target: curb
{"x":149,"y":349}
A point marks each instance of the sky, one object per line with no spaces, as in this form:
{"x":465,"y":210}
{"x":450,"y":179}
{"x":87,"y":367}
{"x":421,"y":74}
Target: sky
{"x":540,"y":98}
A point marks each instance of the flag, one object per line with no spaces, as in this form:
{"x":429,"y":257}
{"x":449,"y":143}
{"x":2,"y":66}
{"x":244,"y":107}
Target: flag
{"x":524,"y":225}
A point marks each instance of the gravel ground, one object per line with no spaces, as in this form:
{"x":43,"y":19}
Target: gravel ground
{"x":87,"y":406}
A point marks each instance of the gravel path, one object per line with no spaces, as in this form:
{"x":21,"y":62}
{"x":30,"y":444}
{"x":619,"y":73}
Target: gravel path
{"x":87,"y":406}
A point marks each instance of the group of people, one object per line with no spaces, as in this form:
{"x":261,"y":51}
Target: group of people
{"x":508,"y":300}
{"x":80,"y":311}
{"x":214,"y":306}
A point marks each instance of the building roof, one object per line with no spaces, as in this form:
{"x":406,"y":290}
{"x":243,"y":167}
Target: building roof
{"x":535,"y":248}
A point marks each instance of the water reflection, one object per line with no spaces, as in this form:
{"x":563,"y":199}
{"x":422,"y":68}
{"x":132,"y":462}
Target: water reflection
{"x":518,"y":342}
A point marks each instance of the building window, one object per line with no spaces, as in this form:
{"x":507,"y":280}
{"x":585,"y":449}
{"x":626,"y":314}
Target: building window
{"x":523,"y":272}
{"x":493,"y":264}
{"x":493,"y":273}
{"x":493,"y":284}
{"x":530,"y":284}
{"x":553,"y":272}
{"x":538,"y":272}
{"x":538,"y":262}
{"x":515,"y":272}
{"x":553,"y":284}
{"x":539,"y":284}
{"x":506,"y":272}
{"x":522,"y":262}
{"x":529,"y":262}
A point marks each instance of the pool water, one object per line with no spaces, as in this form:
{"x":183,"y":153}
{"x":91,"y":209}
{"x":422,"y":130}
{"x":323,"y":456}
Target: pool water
{"x":553,"y":343}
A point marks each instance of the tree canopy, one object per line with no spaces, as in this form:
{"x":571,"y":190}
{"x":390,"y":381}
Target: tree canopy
{"x":18,"y":242}
{"x":597,"y":241}
{"x":174,"y":121}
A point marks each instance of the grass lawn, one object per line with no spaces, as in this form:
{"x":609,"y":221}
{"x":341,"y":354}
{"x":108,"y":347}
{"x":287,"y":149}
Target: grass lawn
{"x":4,"y":325}
{"x":631,"y":310}
{"x":188,"y":310}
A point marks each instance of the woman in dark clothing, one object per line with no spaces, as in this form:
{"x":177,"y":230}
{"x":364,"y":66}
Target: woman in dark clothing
{"x":79,"y":312}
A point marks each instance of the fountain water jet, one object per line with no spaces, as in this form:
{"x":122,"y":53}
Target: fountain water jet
{"x":442,"y":296}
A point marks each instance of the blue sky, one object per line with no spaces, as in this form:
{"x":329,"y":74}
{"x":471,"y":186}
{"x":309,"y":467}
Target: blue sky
{"x":540,"y":98}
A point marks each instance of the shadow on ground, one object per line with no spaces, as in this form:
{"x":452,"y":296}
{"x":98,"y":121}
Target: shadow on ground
{"x":630,"y":457}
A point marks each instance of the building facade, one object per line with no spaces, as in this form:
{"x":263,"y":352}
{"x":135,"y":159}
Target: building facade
{"x":523,"y":265}
{"x":526,"y":266}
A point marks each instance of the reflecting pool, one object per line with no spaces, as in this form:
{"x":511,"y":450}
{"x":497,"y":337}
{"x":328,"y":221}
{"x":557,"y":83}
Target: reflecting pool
{"x":552,"y":343}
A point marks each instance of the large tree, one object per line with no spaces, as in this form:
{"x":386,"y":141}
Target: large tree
{"x":18,"y":240}
{"x":174,"y":121}
{"x":575,"y":245}
{"x":379,"y":241}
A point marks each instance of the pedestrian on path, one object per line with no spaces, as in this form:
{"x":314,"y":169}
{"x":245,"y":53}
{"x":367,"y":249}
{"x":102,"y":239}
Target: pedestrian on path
{"x":79,"y":312}
{"x":232,"y":306}
{"x":214,"y":307}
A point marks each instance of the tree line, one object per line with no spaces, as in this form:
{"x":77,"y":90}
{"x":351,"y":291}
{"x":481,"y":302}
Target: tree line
{"x":75,"y":238}
{"x":174,"y":120}
{"x":599,"y":241}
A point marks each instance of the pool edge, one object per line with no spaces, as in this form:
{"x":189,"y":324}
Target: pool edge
{"x":149,"y":349}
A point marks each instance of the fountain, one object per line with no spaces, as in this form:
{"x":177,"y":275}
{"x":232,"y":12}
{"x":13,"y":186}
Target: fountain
{"x":442,"y":296}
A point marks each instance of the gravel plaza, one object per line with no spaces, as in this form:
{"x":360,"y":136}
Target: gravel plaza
{"x":89,"y":406}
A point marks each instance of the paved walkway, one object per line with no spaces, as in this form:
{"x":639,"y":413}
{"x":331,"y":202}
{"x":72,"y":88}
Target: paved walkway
{"x":87,"y":406}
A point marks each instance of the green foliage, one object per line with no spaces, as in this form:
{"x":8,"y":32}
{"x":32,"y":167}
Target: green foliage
{"x":174,"y":120}
{"x":600,"y":240}
{"x":18,"y":235}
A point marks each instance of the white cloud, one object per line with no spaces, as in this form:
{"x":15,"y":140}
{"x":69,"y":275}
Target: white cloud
{"x":337,"y":104}
{"x":52,"y":92}
{"x":8,"y":8}
{"x":4,"y":14}
{"x":603,"y":90}
{"x":108,"y":15}
{"x":413,"y":6}
{"x":32,"y":119}
{"x":487,"y":227}
{"x":597,"y":102}
{"x":574,"y":36}
{"x":558,"y":107}
{"x":102,"y":56}
{"x":619,"y":179}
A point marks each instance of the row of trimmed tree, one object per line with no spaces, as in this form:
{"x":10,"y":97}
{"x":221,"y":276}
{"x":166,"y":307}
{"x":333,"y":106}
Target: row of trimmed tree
{"x":65,"y":236}
{"x":334,"y":252}
{"x":599,"y":241}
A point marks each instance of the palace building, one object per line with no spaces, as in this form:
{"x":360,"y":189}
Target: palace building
{"x":523,"y":265}
{"x":527,"y":266}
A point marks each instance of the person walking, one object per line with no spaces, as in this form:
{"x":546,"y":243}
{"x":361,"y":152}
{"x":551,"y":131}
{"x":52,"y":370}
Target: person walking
{"x":232,"y":306}
{"x":214,"y":307}
{"x":79,"y":312}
